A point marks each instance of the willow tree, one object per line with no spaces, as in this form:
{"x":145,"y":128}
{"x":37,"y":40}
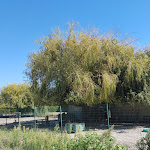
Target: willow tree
{"x":86,"y":67}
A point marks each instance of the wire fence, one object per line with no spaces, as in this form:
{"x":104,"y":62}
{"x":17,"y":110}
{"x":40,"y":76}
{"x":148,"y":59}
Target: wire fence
{"x":99,"y":116}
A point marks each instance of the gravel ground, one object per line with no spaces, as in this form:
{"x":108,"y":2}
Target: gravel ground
{"x":128,"y":136}
{"x":124,"y":135}
{"x":23,"y":119}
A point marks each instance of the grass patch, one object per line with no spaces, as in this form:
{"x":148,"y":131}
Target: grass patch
{"x":25,"y":139}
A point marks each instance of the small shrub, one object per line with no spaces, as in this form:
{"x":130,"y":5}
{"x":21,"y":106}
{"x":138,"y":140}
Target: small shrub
{"x":144,"y":143}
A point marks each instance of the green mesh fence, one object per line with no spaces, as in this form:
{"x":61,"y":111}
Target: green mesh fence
{"x":94,"y":117}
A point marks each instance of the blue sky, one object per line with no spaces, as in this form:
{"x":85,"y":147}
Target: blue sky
{"x":24,"y":21}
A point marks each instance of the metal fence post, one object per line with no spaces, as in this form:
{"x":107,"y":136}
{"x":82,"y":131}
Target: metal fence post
{"x":107,"y":115}
{"x":6,"y":118}
{"x":18,"y":114}
{"x":34,"y":120}
{"x":61,"y":119}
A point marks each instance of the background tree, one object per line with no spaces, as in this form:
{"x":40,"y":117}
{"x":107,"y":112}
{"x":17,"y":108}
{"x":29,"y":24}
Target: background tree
{"x":16,"y":95}
{"x":88,"y":68}
{"x":0,"y":100}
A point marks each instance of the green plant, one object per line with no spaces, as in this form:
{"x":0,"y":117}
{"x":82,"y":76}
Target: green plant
{"x":92,"y":141}
{"x":144,"y":143}
{"x":18,"y":139}
{"x":119,"y":147}
{"x":70,"y":128}
{"x":57,"y":128}
{"x":78,"y":128}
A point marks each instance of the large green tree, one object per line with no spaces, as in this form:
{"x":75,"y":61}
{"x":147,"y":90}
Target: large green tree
{"x":88,"y":68}
{"x":16,"y":95}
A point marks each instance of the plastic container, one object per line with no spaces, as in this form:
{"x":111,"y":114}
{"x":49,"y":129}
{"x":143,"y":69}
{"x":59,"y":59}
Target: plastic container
{"x":74,"y":127}
{"x":146,"y":130}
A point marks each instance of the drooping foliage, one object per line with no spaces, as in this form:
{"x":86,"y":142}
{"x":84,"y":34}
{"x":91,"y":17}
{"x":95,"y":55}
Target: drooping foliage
{"x":16,"y":95}
{"x":88,"y":68}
